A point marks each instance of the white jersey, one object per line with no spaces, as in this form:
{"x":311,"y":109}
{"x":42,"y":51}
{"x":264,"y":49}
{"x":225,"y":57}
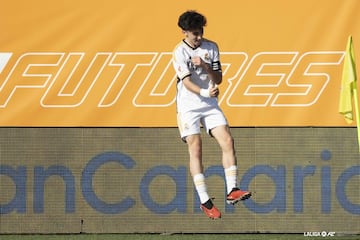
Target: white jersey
{"x":208,"y":52}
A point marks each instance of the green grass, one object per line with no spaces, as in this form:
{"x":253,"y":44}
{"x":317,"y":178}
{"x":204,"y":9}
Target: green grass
{"x":174,"y":237}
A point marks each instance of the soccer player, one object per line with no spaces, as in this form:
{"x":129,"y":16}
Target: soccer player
{"x":197,"y":64}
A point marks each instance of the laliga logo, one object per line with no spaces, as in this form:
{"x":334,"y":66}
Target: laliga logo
{"x":319,"y":234}
{"x":68,"y":80}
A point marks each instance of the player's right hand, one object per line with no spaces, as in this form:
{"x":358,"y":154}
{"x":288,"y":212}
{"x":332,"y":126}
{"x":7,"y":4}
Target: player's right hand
{"x":214,"y":91}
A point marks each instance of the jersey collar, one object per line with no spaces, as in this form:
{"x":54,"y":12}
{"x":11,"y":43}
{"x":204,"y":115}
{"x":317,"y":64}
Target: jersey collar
{"x":193,"y":48}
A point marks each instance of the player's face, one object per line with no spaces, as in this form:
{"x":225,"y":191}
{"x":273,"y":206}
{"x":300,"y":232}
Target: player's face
{"x":194,"y":37}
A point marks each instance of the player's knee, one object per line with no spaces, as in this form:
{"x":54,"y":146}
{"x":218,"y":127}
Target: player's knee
{"x":194,"y":143}
{"x":228,"y":143}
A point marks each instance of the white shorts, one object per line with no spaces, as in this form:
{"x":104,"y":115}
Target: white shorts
{"x":189,"y":123}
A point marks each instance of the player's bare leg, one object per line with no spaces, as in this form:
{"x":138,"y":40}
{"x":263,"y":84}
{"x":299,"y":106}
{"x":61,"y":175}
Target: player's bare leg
{"x":195,"y":152}
{"x":226,"y":142}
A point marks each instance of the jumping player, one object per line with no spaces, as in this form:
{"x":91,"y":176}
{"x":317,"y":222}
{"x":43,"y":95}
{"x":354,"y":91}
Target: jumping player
{"x":197,"y":64}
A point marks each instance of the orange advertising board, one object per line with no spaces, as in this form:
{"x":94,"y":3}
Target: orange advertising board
{"x":108,"y":63}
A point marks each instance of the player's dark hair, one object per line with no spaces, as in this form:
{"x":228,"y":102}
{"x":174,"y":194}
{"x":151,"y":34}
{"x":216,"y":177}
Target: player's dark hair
{"x":191,"y":20}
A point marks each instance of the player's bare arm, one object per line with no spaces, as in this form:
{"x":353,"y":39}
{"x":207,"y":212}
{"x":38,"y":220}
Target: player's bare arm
{"x":191,"y":86}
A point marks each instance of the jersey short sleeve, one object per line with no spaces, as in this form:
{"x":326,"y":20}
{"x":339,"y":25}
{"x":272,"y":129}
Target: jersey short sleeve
{"x":181,"y":63}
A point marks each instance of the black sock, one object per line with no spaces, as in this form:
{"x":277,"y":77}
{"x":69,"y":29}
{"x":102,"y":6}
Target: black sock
{"x":208,"y":204}
{"x":234,"y":189}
